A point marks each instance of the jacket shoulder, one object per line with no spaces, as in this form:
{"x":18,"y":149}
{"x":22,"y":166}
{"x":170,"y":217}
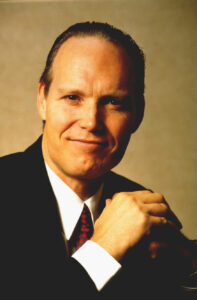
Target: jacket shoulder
{"x":10,"y":158}
{"x":11,"y":162}
{"x":16,"y":165}
{"x":115,"y":183}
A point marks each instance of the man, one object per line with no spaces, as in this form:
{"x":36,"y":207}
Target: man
{"x":90,"y":98}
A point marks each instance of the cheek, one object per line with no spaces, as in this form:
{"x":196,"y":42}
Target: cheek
{"x":59,"y":119}
{"x":120,"y":129}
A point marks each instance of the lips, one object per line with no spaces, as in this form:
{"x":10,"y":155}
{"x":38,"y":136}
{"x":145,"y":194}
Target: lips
{"x":88,"y":143}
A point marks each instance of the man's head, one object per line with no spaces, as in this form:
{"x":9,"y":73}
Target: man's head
{"x":115,"y":36}
{"x":87,"y":98}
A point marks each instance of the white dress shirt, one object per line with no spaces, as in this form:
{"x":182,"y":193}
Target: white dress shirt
{"x":99,"y":264}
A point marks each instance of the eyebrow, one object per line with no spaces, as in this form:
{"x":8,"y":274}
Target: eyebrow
{"x":119,"y":93}
{"x":70,"y":91}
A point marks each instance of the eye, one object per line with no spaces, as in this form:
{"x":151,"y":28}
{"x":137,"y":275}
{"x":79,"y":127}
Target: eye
{"x":114,"y":101}
{"x":111,"y":101}
{"x":72,"y":97}
{"x":117,"y":103}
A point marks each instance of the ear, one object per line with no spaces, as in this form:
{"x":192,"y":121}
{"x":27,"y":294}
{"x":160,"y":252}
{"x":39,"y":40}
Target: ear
{"x":41,"y":101}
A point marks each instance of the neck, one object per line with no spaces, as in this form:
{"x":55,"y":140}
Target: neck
{"x":83,"y":188}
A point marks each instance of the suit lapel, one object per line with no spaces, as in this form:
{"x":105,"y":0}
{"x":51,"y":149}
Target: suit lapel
{"x":43,"y":205}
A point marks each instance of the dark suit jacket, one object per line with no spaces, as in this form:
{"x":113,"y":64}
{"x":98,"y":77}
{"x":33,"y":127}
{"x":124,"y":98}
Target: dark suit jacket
{"x":35,"y":265}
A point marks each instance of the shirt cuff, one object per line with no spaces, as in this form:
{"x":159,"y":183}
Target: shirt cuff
{"x":98,"y":263}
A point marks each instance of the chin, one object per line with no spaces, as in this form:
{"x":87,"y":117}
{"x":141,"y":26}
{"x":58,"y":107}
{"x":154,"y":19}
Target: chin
{"x":90,"y":174}
{"x":94,"y":171}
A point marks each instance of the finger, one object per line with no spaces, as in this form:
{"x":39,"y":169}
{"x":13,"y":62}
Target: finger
{"x":173,"y":225}
{"x":173,"y":218}
{"x":162,"y":210}
{"x":134,"y":194}
{"x":154,"y":246}
{"x":159,"y":198}
{"x":158,"y":221}
{"x":156,"y":209}
{"x":154,"y":198}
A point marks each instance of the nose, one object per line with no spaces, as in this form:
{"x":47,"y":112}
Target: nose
{"x":91,"y":117}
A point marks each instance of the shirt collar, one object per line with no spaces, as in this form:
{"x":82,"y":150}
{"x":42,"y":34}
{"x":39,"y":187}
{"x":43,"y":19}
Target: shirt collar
{"x":69,"y":203}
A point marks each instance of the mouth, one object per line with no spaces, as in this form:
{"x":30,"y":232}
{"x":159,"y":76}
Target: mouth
{"x":88,"y":143}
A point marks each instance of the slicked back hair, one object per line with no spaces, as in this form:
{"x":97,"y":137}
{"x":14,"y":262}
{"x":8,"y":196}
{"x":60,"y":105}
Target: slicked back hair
{"x":115,"y":36}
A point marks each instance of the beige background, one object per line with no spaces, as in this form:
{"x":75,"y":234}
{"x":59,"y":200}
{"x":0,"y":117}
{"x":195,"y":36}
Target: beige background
{"x":162,"y":154}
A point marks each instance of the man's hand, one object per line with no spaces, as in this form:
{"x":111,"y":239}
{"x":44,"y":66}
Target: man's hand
{"x":127,"y":218}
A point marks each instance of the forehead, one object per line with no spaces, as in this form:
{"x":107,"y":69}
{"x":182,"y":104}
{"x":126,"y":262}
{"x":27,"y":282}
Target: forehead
{"x":89,"y":45}
{"x":92,"y":55}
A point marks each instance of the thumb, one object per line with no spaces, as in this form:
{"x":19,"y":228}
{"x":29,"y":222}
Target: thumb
{"x":108,"y":202}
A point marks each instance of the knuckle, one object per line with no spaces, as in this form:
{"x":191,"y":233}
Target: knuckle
{"x":115,"y":195}
{"x":141,"y":207}
{"x":142,"y":193}
{"x":159,"y":195}
{"x":144,"y":219}
{"x":164,"y":207}
{"x":118,"y":195}
{"x":134,"y":199}
{"x":147,"y":192}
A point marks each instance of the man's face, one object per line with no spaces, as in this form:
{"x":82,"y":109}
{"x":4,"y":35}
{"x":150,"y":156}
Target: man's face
{"x":89,"y":110}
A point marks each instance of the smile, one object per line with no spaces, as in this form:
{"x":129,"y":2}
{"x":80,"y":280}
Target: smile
{"x":88,"y":143}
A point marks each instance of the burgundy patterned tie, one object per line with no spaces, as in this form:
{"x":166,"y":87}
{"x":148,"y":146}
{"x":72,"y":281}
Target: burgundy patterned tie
{"x":84,"y":228}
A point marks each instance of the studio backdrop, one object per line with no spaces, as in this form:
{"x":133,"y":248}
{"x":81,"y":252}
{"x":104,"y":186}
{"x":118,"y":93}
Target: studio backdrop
{"x":162,"y":154}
